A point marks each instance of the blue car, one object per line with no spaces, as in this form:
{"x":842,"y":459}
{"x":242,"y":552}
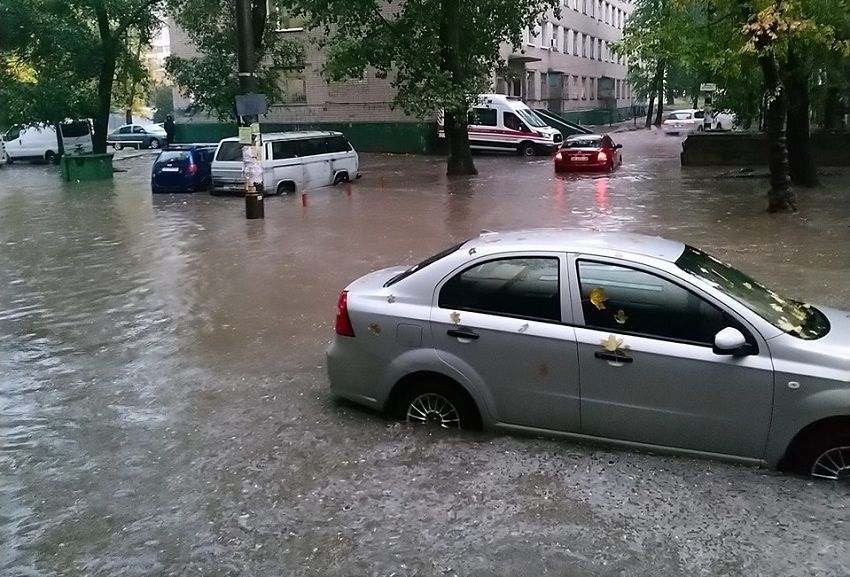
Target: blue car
{"x":182,"y":168}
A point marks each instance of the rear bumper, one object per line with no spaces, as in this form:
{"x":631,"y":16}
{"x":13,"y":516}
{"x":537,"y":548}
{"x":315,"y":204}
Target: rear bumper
{"x":588,"y":167}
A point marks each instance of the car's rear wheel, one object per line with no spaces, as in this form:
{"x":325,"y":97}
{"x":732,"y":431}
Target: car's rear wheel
{"x":50,"y":157}
{"x":117,"y":146}
{"x":340,"y":178}
{"x":439,"y":403}
{"x":285,"y":188}
{"x":154,"y":143}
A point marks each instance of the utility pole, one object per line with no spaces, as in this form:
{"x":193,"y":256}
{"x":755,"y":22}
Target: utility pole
{"x":249,"y":127}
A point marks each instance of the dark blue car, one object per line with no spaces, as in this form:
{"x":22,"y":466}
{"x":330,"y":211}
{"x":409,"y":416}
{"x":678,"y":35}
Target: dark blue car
{"x":182,"y":168}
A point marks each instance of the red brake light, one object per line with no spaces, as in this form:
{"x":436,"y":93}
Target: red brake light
{"x":192,"y":168}
{"x":601,"y":156}
{"x":558,"y":156}
{"x":343,"y":323}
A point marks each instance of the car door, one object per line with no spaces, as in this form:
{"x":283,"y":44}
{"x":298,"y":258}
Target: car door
{"x":499,"y":323}
{"x":123,"y":134}
{"x":139,"y":136}
{"x":316,"y":162}
{"x":648,"y":371}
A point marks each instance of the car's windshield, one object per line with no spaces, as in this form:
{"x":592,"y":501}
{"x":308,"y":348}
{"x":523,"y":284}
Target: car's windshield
{"x":589,"y":142}
{"x":423,"y":264}
{"x":793,"y":317}
{"x":530,"y":118}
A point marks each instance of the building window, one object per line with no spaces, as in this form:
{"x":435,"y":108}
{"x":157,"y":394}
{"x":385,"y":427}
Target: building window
{"x":584,"y":6}
{"x":559,"y":40}
{"x":599,"y":49}
{"x":529,"y":85}
{"x":526,"y":37}
{"x":294,"y":86}
{"x":544,"y":92}
{"x":584,"y":45}
{"x":576,"y":40}
{"x":583,"y":88}
{"x":574,"y":93}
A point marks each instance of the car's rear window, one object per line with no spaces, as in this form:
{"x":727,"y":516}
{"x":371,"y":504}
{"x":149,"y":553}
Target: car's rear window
{"x":679,"y":116}
{"x":167,"y":155}
{"x":229,"y":151}
{"x":424,"y":263}
{"x":591,"y":142}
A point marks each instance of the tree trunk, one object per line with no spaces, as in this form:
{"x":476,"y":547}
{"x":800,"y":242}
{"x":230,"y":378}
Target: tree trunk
{"x":457,"y":137}
{"x":801,"y":163}
{"x":650,"y":109}
{"x":781,"y":196}
{"x":659,"y":88}
{"x":460,"y":157}
{"x":106,"y":77}
{"x":670,"y":98}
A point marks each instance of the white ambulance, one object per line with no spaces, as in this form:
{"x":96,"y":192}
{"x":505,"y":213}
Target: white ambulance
{"x":505,"y":123}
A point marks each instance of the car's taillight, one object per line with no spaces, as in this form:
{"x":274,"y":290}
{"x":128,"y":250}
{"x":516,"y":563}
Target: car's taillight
{"x":192,"y":168}
{"x":343,"y":323}
{"x":558,"y":156}
{"x":601,"y":156}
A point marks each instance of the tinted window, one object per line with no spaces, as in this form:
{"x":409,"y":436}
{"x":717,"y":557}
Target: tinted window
{"x":138,"y":130}
{"x":513,"y":122}
{"x":590,"y":142}
{"x":517,"y":287}
{"x":174,"y":155}
{"x":679,"y":116}
{"x":483,"y":116}
{"x":124,"y":130}
{"x":337,"y":144}
{"x":284,"y":149}
{"x":229,"y":151}
{"x":625,"y":300}
{"x":311,"y":146}
{"x":75,"y":129}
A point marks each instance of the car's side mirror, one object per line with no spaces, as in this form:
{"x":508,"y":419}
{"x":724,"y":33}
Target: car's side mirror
{"x":618,"y":146}
{"x":731,"y":341}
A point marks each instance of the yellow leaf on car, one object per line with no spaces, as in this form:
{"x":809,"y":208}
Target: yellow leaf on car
{"x":598,"y":298}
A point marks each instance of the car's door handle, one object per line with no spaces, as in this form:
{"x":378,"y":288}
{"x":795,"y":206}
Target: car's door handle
{"x":612,"y":357}
{"x":462,"y":334}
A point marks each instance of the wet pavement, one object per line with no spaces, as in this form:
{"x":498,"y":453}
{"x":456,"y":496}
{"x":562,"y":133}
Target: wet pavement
{"x":164,"y":408}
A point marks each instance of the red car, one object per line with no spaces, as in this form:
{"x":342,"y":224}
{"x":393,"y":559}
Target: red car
{"x":588,"y":152}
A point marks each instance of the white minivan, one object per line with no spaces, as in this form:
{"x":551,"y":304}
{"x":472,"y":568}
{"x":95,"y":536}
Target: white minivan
{"x":39,"y":141}
{"x":505,"y":123}
{"x":292,"y":161}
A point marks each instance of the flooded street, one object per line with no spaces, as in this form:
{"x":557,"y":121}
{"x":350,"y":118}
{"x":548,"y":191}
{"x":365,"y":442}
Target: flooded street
{"x":164,"y":408}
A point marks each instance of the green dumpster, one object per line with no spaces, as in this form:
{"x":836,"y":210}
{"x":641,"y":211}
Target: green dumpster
{"x":81,"y":167}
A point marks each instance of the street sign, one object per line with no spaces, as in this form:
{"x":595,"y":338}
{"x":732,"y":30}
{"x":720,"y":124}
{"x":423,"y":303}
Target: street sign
{"x":708,"y":87}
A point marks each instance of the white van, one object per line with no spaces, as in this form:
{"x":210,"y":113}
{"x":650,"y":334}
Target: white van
{"x":506,"y":123}
{"x":39,"y":142}
{"x":292,"y":161}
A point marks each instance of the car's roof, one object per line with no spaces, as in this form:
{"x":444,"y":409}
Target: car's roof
{"x":577,"y":240}
{"x":294,"y":135}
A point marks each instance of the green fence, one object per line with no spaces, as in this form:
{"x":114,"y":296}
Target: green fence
{"x":405,"y":137}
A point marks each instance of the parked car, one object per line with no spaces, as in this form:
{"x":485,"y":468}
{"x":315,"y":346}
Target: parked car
{"x":629,"y":339}
{"x":684,"y":121}
{"x":724,"y":120}
{"x":183,"y":168}
{"x":138,"y":136}
{"x":588,"y":152}
{"x":40,"y":142}
{"x":291,"y":161}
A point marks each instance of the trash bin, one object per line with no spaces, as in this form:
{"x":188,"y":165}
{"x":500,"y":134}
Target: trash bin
{"x":82,"y":167}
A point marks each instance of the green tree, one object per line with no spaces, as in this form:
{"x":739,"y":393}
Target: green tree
{"x":210,"y":79}
{"x":61,"y":57}
{"x":438,"y":53}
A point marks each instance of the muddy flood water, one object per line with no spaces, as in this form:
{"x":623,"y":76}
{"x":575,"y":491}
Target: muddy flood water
{"x":164,"y":408}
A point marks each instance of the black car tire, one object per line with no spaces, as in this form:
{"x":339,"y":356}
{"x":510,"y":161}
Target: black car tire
{"x":816,"y":444}
{"x":117,"y":145}
{"x":154,"y":143}
{"x":50,"y":157}
{"x":526,"y":149}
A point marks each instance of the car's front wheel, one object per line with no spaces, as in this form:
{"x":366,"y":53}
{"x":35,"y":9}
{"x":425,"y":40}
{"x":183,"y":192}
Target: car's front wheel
{"x":439,"y":403}
{"x":829,"y":458}
{"x":117,"y":146}
{"x":526,"y":149}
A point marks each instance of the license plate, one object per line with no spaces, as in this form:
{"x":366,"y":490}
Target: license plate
{"x":170,"y":169}
{"x":581,"y":158}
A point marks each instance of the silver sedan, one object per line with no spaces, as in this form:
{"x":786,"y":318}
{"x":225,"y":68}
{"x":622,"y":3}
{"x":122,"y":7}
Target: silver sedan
{"x":628,"y":339}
